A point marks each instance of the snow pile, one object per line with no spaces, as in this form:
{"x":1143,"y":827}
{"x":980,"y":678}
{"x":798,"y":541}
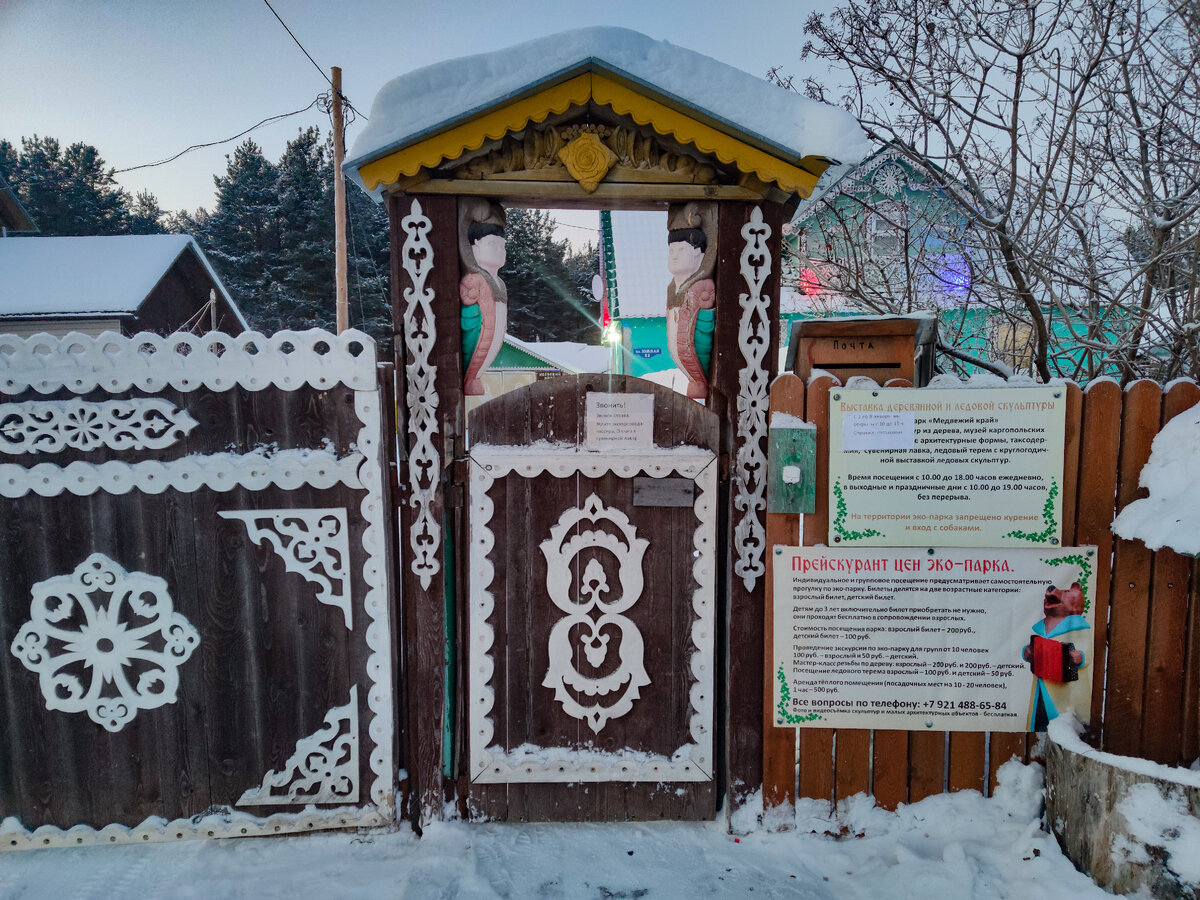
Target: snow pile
{"x":951,"y":845}
{"x":426,"y":101}
{"x":1170,"y":516}
{"x":1163,"y":823}
{"x":1065,"y":730}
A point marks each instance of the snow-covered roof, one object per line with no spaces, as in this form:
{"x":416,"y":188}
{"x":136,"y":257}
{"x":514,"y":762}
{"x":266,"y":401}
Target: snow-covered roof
{"x":436,"y":98}
{"x":84,"y":276}
{"x":570,"y":356}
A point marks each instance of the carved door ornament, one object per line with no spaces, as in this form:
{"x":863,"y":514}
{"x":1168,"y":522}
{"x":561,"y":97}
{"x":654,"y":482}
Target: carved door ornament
{"x":691,"y":295}
{"x":481,"y":292}
{"x":595,"y":617}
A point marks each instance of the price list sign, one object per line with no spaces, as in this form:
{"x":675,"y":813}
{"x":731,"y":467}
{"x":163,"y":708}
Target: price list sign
{"x":946,"y":639}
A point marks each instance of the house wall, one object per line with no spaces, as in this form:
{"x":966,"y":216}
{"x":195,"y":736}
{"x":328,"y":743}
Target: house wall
{"x":58,"y":327}
{"x":179,"y":295}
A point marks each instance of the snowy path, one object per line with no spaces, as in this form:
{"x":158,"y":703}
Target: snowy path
{"x":950,"y":846}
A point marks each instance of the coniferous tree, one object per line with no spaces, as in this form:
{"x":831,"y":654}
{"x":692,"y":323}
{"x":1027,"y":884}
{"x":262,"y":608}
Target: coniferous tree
{"x":241,"y":235}
{"x":547,"y":298}
{"x":71,"y":192}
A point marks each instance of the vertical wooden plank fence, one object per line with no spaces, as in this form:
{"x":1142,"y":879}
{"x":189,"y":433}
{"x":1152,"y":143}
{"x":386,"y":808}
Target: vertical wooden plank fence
{"x":1146,"y":681}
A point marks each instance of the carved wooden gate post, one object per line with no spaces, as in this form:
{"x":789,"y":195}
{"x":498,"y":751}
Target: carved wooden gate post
{"x":745,"y":361}
{"x":430,"y":430}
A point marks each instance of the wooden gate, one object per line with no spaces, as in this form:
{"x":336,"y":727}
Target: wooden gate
{"x":195,"y":634}
{"x":592,"y":572}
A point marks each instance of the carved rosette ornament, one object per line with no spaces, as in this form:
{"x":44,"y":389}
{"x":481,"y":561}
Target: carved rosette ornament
{"x":105,"y":642}
{"x":588,"y":160}
{"x":592,"y":619}
{"x":692,"y":293}
{"x":424,"y":461}
{"x":754,"y":338}
{"x":481,"y":292}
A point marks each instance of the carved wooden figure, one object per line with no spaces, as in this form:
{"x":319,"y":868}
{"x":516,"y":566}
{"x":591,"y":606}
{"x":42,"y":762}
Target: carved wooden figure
{"x":691,"y":295}
{"x":484,"y":299}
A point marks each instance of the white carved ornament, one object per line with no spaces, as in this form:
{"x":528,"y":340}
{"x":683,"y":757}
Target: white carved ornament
{"x":616,"y":690}
{"x":288,"y":469}
{"x":314,"y":543}
{"x":186,"y":362}
{"x":424,"y":462}
{"x":490,"y":762}
{"x":105,"y":641}
{"x":48,"y":426}
{"x":754,"y":337}
{"x":323,"y":768}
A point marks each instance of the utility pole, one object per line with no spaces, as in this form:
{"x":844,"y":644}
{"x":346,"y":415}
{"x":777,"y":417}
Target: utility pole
{"x":339,"y":205}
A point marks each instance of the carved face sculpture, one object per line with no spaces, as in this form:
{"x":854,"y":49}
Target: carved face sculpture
{"x":490,"y":252}
{"x":683,"y":260}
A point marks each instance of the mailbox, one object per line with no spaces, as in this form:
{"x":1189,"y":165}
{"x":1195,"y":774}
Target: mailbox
{"x":879,"y":347}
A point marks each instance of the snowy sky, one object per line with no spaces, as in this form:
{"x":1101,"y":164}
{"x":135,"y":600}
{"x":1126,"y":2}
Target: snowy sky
{"x":142,"y":79}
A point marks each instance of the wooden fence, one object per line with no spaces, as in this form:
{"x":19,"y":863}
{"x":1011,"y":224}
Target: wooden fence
{"x":1146,"y":686}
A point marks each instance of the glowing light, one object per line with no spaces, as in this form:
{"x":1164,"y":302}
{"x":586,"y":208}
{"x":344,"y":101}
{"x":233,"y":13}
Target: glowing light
{"x":809,"y":282}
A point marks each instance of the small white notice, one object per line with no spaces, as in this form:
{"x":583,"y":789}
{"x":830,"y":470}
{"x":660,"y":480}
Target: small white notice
{"x":878,"y":431}
{"x":619,"y":421}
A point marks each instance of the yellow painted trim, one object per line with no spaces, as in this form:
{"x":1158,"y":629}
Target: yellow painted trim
{"x":472,"y":134}
{"x":730,"y":150}
{"x":577,"y":91}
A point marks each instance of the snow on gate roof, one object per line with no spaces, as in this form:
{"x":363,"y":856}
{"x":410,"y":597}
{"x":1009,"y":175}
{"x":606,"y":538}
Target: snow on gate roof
{"x":439,"y":98}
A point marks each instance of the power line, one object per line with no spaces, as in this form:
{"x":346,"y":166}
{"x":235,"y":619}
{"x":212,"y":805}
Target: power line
{"x":163,"y":162}
{"x":297,"y":40}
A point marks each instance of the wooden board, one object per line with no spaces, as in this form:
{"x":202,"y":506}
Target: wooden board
{"x":1129,"y":607}
{"x":1098,"y":458}
{"x":816,"y":759}
{"x":1166,"y":635}
{"x":779,"y":744}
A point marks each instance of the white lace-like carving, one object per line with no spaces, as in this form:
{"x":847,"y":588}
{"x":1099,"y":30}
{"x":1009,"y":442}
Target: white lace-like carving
{"x":323,"y":768}
{"x":105,"y":641}
{"x":754,"y":337}
{"x":286,"y":359}
{"x":491,"y":763}
{"x":565,"y":543}
{"x":424,"y":463}
{"x":287,"y":469}
{"x":48,"y":426}
{"x":314,"y":543}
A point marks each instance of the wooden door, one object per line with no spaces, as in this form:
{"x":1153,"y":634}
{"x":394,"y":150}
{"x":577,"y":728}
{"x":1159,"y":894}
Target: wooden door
{"x":591,"y":607}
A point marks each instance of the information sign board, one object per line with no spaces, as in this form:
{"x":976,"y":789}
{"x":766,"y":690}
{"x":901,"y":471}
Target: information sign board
{"x":950,"y":639}
{"x":966,"y":468}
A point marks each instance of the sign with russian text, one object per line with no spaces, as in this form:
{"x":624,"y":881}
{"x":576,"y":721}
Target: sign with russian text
{"x":946,"y":639}
{"x":619,"y":421}
{"x":954,"y":467}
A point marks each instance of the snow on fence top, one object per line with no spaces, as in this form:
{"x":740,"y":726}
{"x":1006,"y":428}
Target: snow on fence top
{"x":429,"y":100}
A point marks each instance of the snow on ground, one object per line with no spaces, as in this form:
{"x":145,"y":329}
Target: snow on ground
{"x":948,"y":846}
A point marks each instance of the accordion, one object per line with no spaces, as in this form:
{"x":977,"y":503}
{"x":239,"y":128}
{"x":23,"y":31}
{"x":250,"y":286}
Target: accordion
{"x":1051,"y":660}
